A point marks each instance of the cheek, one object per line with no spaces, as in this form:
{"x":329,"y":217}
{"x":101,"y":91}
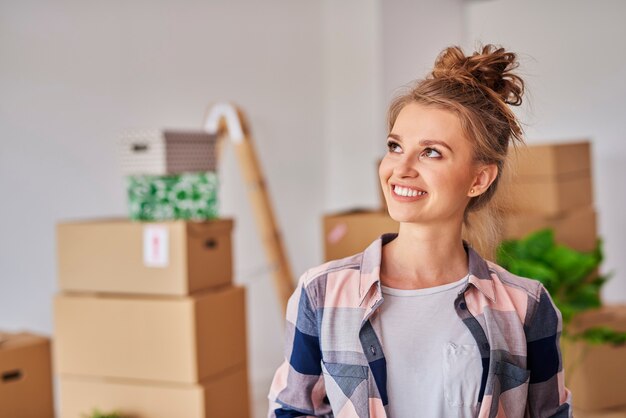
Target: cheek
{"x":384,"y":170}
{"x":439,"y":179}
{"x":455,"y":182}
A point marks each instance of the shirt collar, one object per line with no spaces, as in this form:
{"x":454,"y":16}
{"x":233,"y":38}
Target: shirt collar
{"x":479,"y":275}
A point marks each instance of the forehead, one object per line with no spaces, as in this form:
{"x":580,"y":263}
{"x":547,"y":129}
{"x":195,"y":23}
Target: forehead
{"x":416,"y":122}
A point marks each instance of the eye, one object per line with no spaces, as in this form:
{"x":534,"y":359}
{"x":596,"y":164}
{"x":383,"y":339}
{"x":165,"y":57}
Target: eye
{"x":433,"y":149}
{"x":393,"y":146}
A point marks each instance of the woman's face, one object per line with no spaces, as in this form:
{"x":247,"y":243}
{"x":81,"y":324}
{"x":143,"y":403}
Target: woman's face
{"x":427,"y":151}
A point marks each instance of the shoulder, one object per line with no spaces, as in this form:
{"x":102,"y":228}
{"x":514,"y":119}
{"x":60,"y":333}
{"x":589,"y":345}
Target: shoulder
{"x":513,"y":283}
{"x":344,"y":275}
{"x":529,"y":297}
{"x":319,"y":272}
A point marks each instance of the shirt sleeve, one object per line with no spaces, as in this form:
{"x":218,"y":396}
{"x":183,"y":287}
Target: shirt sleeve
{"x":547,"y":394}
{"x":297,"y":389}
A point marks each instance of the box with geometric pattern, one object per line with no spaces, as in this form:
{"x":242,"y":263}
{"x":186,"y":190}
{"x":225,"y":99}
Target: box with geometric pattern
{"x":166,"y":152}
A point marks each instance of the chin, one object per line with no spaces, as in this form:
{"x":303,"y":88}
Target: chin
{"x":403,"y":216}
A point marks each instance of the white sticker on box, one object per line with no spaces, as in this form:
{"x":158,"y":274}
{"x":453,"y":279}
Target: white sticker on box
{"x":156,"y":246}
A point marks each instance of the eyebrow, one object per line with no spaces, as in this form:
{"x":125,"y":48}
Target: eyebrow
{"x":423,"y":142}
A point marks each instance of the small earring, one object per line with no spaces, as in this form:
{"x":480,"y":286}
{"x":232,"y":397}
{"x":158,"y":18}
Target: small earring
{"x":472,"y":191}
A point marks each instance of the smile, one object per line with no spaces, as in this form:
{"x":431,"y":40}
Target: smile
{"x":407,"y":192}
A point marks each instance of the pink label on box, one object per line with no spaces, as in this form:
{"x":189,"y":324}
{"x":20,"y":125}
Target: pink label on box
{"x":337,"y":233}
{"x":156,"y":246}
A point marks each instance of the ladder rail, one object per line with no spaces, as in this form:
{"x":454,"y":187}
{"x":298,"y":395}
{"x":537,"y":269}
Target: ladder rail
{"x":228,"y":121}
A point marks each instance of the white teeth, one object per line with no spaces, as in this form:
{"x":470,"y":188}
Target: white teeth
{"x":403,"y":191}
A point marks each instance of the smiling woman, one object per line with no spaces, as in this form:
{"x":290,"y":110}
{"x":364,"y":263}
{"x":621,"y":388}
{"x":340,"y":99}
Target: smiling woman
{"x":419,"y":323}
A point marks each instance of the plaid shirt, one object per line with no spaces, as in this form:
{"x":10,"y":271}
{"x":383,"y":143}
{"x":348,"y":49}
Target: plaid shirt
{"x":334,"y":362}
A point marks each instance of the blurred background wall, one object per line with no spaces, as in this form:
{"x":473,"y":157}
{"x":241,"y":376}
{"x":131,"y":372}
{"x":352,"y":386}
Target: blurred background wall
{"x":314,"y":78}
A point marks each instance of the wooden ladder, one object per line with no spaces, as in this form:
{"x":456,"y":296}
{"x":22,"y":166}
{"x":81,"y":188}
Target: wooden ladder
{"x":226,"y":120}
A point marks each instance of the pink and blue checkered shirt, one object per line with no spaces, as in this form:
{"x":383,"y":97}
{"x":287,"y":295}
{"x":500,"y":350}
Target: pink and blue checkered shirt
{"x":335,"y":365}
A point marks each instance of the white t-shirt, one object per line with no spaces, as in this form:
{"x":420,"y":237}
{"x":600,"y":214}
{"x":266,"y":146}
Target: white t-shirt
{"x":433,"y":362}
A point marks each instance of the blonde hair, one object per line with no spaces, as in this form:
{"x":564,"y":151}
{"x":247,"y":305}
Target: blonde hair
{"x":479,"y":88}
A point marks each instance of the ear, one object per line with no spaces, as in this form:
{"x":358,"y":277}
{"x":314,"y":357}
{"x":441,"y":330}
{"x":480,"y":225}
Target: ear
{"x":485,"y":175}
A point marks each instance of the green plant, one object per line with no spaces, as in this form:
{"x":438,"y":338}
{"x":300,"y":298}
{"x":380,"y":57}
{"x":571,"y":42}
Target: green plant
{"x":98,"y":414}
{"x":566,"y":274}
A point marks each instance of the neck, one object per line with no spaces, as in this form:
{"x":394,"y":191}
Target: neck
{"x":421,"y":257}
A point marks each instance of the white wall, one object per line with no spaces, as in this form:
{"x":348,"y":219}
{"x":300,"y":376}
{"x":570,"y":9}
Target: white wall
{"x":74,"y":75}
{"x":574,"y":59}
{"x":352,"y":86}
{"x":413,"y":33}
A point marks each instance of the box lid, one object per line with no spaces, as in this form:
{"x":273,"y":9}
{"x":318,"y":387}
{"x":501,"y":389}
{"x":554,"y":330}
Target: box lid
{"x":140,"y":137}
{"x":170,"y":135}
{"x":224,"y":225}
{"x":217,"y":222}
{"x":10,"y":341}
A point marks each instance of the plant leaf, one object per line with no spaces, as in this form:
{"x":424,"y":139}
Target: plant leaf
{"x":602,"y":335}
{"x":538,"y":243}
{"x":572,"y":266}
{"x":585,"y":297}
{"x":535,"y":270}
{"x":564,"y":272}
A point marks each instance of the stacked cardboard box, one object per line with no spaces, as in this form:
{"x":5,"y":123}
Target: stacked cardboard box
{"x":550,"y":185}
{"x":596,"y":373}
{"x":148,"y":322}
{"x":26,"y":376}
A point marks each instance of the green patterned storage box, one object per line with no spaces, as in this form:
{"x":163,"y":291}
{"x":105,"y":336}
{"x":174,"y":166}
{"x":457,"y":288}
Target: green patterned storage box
{"x":182,"y":196}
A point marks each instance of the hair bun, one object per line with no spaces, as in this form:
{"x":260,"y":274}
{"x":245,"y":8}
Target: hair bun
{"x":491,"y":67}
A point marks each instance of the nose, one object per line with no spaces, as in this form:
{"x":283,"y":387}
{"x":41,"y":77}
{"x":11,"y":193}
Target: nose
{"x":405,"y":168}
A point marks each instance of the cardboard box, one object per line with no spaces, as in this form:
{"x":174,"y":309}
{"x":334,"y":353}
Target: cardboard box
{"x":348,"y":233}
{"x":26,"y":385}
{"x":550,"y":196}
{"x":156,"y":152}
{"x":596,"y":373}
{"x":576,"y":228}
{"x":553,"y":159}
{"x":166,"y":258}
{"x":167,"y":339}
{"x":226,"y":396}
{"x":548,"y":179}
